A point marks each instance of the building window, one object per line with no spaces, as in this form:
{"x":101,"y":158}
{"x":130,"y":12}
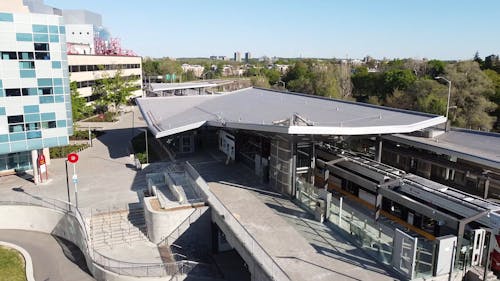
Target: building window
{"x":37,"y":28}
{"x":24,"y":37}
{"x":29,"y":91}
{"x":15,"y":119}
{"x":6,"y":17}
{"x":42,"y":55}
{"x":12,"y":92}
{"x":41,"y":47}
{"x":25,"y":55}
{"x":45,"y":91}
{"x":49,"y":125}
{"x":27,"y":65}
{"x":9,"y":55}
{"x":32,"y":126}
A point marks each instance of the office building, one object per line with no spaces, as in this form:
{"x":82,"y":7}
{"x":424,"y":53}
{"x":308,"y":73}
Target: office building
{"x":248,"y":56}
{"x":237,"y":56}
{"x":35,"y":103}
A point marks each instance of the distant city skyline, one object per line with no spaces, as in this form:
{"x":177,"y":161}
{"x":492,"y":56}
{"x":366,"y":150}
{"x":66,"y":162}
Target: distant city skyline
{"x":445,"y":29}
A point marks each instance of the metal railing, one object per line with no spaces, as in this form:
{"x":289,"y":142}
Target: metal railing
{"x":260,"y":255}
{"x":116,"y":266}
{"x":179,"y":230}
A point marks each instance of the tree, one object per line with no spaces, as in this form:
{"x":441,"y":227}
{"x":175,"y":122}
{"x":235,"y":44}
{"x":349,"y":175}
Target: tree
{"x":113,"y":91}
{"x":260,"y":81}
{"x":435,"y":68}
{"x":399,"y":79}
{"x":79,"y":106}
{"x":471,"y":89}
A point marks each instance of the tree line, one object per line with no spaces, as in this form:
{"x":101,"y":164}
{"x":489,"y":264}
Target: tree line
{"x":400,"y":83}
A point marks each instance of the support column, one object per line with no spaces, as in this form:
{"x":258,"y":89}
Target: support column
{"x":378,"y":149}
{"x":34,"y":164}
{"x":486,"y":187}
{"x":293,"y":166}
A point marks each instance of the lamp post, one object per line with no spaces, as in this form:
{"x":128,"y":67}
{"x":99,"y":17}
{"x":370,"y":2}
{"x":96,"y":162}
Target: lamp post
{"x":449,"y":93}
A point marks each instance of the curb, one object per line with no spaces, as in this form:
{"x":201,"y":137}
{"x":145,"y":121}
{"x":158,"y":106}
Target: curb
{"x":27,"y":259}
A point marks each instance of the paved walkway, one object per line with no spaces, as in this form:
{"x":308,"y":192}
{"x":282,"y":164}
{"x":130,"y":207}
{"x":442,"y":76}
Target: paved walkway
{"x":52,"y":259}
{"x":305,"y":249}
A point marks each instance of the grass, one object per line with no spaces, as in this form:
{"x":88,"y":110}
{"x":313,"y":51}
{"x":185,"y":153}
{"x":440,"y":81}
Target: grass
{"x":105,"y":117}
{"x":12,"y":266}
{"x":84,"y":134}
{"x":63,"y":151}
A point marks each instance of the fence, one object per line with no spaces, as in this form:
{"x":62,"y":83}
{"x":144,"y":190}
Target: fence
{"x":376,"y":238}
{"x":113,"y":265}
{"x":253,"y":247}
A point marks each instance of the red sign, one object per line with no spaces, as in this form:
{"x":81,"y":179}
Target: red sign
{"x":41,"y":160}
{"x":73,"y":157}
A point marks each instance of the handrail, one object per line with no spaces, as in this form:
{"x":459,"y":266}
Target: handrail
{"x":188,"y":219}
{"x":114,"y":265}
{"x":216,"y":201}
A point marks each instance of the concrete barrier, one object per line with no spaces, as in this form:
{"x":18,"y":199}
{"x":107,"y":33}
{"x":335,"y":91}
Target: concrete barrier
{"x":62,"y":224}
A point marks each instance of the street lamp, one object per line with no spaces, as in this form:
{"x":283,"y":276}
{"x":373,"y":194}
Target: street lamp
{"x":449,"y":94}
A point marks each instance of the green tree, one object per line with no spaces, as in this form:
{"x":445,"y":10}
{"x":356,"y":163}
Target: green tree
{"x":79,"y":106}
{"x":435,"y":68}
{"x":471,"y":89}
{"x":260,"y":81}
{"x":399,"y":79}
{"x":151,"y":67}
{"x":113,"y":91}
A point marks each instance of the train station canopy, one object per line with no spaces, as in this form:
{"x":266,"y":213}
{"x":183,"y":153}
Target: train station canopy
{"x":278,"y":112}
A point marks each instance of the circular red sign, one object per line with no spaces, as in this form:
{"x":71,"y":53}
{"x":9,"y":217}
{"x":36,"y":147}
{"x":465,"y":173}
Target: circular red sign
{"x":73,"y":157}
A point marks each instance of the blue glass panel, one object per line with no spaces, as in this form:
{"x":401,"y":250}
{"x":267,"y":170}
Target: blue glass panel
{"x":2,"y":93}
{"x":58,"y":91}
{"x":1,"y":84}
{"x":24,"y":37}
{"x":46,"y":99}
{"x":31,"y":118}
{"x":4,"y":138}
{"x":41,"y":38}
{"x":53,"y":29}
{"x":61,"y":123}
{"x":50,"y":142}
{"x":44,"y":82}
{"x":56,"y":64}
{"x":17,"y":136}
{"x":4,"y":148}
{"x":59,"y":99}
{"x":26,"y":65}
{"x":57,"y":82}
{"x":18,"y":146}
{"x":35,"y":144}
{"x":38,"y":28}
{"x":54,"y":38}
{"x":34,"y":135}
{"x":2,"y":110}
{"x":62,"y":30}
{"x":6,"y":17}
{"x":27,"y":73}
{"x":32,"y":91}
{"x":31,"y":109}
{"x":50,"y":116}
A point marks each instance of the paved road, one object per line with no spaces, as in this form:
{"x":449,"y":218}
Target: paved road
{"x":52,"y":259}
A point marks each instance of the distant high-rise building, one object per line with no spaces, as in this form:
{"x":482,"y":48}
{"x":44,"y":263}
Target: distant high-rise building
{"x":237,"y":56}
{"x":248,"y":56}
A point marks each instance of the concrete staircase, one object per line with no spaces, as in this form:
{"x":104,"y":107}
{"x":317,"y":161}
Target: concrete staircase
{"x":118,"y":227}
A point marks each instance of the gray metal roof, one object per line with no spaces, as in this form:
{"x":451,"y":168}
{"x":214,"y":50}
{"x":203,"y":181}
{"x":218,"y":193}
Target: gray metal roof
{"x":179,"y":86}
{"x":475,"y":146}
{"x":271,"y":111}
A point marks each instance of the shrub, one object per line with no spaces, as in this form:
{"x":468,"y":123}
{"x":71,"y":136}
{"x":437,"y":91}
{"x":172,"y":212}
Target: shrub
{"x":63,"y":151}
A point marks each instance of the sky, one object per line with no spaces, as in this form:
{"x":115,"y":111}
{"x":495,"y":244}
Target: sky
{"x":434,"y":29}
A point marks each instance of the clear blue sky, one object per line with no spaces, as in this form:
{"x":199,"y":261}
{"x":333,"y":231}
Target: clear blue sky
{"x":442,"y":29}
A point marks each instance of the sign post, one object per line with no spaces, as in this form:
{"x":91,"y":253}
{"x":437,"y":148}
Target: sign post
{"x":42,"y":167}
{"x":73,"y":158}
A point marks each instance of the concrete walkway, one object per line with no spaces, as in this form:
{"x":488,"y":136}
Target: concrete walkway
{"x":52,"y":259}
{"x":306,"y":250}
